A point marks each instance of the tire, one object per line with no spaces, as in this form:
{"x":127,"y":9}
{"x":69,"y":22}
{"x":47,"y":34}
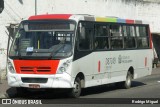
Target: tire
{"x":76,"y":91}
{"x":127,"y":83}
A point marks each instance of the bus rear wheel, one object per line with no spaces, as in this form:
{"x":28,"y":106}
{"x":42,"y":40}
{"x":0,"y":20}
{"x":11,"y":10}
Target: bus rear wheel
{"x":127,"y":83}
{"x":76,"y":90}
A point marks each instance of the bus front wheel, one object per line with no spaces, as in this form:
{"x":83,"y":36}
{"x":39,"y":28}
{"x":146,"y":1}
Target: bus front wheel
{"x":76,"y":90}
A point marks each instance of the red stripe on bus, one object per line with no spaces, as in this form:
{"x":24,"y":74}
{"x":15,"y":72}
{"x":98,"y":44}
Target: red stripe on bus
{"x":99,"y":66}
{"x":36,"y":66}
{"x":50,"y":16}
{"x":130,"y":21}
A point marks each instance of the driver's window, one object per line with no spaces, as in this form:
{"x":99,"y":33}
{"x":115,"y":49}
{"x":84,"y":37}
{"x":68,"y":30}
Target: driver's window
{"x":85,"y":36}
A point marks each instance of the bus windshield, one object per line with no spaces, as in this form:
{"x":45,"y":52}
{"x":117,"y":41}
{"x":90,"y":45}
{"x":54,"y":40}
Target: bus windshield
{"x":43,"y":39}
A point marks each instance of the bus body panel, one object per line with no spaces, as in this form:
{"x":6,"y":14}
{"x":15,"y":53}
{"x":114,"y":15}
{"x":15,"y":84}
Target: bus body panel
{"x":84,"y":65}
{"x":114,"y":66}
{"x":36,"y":66}
{"x":53,"y":80}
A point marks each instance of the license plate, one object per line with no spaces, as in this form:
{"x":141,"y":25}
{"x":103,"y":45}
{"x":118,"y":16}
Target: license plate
{"x":34,"y":86}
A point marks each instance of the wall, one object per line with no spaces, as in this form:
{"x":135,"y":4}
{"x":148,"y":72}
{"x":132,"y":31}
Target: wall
{"x":17,"y":10}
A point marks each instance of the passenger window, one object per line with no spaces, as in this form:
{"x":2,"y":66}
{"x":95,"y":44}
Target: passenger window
{"x":116,"y":37}
{"x":129,"y":37}
{"x":142,"y":37}
{"x":101,"y":37}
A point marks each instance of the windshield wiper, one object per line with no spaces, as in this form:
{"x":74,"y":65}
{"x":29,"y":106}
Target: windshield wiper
{"x":55,"y":49}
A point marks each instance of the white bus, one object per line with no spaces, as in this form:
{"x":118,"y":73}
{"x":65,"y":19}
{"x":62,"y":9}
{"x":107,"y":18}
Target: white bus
{"x":78,"y":51}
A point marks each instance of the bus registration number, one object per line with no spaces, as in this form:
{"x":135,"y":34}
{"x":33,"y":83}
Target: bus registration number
{"x":34,"y":86}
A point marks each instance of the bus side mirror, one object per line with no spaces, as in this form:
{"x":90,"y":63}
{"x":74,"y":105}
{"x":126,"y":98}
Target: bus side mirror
{"x":25,"y":27}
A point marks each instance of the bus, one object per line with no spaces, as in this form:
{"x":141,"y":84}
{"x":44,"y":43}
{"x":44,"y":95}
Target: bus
{"x":75,"y":51}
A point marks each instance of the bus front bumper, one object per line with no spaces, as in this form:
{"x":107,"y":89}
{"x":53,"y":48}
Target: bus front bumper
{"x":44,"y":81}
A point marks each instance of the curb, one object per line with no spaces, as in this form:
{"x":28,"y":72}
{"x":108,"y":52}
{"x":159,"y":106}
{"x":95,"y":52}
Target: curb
{"x":3,"y":74}
{"x":3,"y":95}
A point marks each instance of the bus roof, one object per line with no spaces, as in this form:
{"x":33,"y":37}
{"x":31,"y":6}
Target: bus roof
{"x":84,"y":17}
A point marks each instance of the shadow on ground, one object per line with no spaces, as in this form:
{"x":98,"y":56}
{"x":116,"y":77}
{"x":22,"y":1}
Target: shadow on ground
{"x":107,"y":88}
{"x":62,"y":94}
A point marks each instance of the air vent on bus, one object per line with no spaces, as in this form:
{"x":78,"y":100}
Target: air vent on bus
{"x":43,"y":69}
{"x":31,"y":69}
{"x":24,"y":43}
{"x":34,"y":80}
{"x":27,"y":69}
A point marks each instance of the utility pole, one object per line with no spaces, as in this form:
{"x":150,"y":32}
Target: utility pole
{"x":35,"y":7}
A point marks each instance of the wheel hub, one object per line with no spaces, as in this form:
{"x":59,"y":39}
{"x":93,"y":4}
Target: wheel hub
{"x":76,"y":87}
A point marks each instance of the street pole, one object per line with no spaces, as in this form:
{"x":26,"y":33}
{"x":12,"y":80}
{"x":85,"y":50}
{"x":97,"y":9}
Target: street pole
{"x":35,"y":7}
{"x":0,"y":76}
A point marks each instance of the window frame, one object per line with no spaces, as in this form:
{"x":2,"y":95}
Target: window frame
{"x":140,"y":37}
{"x":135,"y":37}
{"x":78,"y":37}
{"x":118,"y":24}
{"x":107,"y":36}
{"x":108,"y":24}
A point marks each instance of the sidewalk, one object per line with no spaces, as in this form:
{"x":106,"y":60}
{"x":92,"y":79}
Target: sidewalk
{"x":3,"y":88}
{"x":7,"y":92}
{"x":156,"y":70}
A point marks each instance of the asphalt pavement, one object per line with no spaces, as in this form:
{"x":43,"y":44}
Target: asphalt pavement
{"x":97,"y":92}
{"x":146,"y":87}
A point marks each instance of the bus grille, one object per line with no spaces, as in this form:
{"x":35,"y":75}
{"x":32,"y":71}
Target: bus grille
{"x":35,"y":69}
{"x":34,"y":80}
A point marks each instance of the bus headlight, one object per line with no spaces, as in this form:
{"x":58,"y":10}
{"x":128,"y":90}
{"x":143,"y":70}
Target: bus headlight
{"x":10,"y":67}
{"x":64,"y":67}
{"x":65,"y":64}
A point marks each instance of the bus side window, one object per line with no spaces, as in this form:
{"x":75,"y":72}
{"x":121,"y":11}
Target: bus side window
{"x":84,"y":36}
{"x":101,"y":37}
{"x":142,"y":37}
{"x":116,"y":37}
{"x":129,"y":36}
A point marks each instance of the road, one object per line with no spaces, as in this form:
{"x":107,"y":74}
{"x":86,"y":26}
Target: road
{"x":146,"y":87}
